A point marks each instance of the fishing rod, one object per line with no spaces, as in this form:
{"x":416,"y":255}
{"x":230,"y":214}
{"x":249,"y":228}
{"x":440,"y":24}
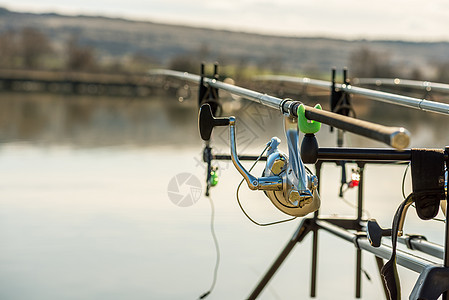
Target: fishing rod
{"x":421,"y":104}
{"x":426,"y":85}
{"x":397,"y":137}
{"x":294,"y":189}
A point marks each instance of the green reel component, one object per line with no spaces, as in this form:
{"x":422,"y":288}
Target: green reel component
{"x":305,"y":125}
{"x":213,"y":178}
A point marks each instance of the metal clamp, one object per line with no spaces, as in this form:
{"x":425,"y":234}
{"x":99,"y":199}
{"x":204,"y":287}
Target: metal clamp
{"x":356,"y":238}
{"x":287,"y":112}
{"x":281,"y":107}
{"x":410,"y":237}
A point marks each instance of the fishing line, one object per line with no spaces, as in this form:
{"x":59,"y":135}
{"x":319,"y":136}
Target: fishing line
{"x":240,"y":204}
{"x":255,"y":222}
{"x":439,"y":220}
{"x":217,"y":249}
{"x":403,"y":180}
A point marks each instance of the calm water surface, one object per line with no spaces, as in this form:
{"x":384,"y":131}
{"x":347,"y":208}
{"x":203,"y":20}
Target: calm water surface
{"x":85,"y":213}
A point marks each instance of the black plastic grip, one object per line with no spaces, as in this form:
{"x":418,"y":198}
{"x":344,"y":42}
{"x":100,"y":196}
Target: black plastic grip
{"x":207,"y":121}
{"x":375,"y":233}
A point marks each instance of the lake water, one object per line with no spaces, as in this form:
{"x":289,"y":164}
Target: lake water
{"x":85,"y":211}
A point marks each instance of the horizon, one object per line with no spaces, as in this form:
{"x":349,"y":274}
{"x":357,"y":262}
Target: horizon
{"x":434,"y":30}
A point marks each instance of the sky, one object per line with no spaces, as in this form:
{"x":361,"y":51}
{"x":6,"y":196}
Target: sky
{"x":351,"y":19}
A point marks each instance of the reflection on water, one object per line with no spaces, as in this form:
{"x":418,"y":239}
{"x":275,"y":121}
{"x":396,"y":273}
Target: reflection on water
{"x":83,"y":121}
{"x":82,"y":218}
{"x":86,"y":121}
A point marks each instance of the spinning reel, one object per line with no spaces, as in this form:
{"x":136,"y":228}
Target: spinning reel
{"x":285,"y":180}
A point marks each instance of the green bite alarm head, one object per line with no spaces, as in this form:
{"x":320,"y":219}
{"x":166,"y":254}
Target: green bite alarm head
{"x":213,"y":177}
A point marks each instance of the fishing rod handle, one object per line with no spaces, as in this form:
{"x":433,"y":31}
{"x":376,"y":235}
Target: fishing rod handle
{"x":397,"y":137}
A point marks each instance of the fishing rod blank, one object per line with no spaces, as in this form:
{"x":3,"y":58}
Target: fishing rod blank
{"x":421,"y":104}
{"x":397,"y":137}
{"x":426,"y":85}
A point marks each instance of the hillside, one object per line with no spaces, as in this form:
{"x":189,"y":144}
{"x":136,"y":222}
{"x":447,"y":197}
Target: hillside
{"x":116,"y":38}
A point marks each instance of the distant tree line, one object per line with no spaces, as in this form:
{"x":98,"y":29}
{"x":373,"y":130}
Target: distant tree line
{"x":369,"y":63}
{"x":29,"y":48}
{"x":363,"y":62}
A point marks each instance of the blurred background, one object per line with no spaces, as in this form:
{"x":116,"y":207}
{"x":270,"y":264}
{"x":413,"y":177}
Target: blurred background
{"x":92,"y":146}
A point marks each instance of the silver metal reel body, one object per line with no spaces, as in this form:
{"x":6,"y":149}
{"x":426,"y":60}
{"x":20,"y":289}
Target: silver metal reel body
{"x":285,"y":180}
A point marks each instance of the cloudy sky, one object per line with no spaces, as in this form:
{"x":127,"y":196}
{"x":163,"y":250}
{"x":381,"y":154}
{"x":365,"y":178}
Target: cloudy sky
{"x":352,"y":19}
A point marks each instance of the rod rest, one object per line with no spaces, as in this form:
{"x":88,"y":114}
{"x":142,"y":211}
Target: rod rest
{"x":309,"y":149}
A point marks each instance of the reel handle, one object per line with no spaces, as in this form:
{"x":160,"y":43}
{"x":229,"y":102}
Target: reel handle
{"x":207,"y":121}
{"x":375,"y":232}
